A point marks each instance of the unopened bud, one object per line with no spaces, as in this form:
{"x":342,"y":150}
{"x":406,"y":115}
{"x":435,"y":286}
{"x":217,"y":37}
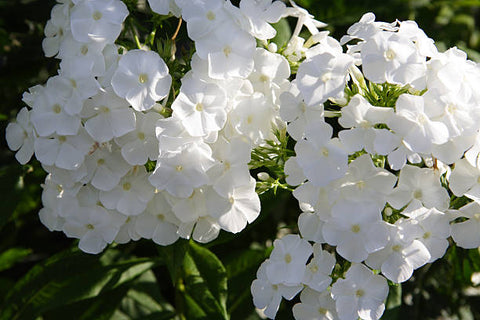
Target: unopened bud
{"x":263,"y":176}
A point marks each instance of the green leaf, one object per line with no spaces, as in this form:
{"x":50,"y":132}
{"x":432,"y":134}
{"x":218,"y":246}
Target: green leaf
{"x":174,"y":255}
{"x":283,"y":33}
{"x":241,"y":270}
{"x":66,"y":278}
{"x":144,"y":300}
{"x":393,"y":303}
{"x":205,"y":281}
{"x":10,"y":257}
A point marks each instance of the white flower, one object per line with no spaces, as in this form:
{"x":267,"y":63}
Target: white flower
{"x":20,"y":136}
{"x":92,"y":223}
{"x":466,"y":234}
{"x":106,"y":167}
{"x":360,"y":295}
{"x":131,"y":195}
{"x":49,"y":114}
{"x":418,"y":186}
{"x":181,"y":172}
{"x":231,"y":164}
{"x":245,"y":207}
{"x":361,"y":116}
{"x":321,"y":158}
{"x":141,"y":145}
{"x":76,"y":83}
{"x":201,"y":107}
{"x":323,"y":76}
{"x":413,"y":122}
{"x":295,"y":111}
{"x":287,"y":263}
{"x":253,"y":117}
{"x":91,"y":52}
{"x":229,"y":51}
{"x":317,"y":274}
{"x":267,"y":296}
{"x":203,"y":16}
{"x":365,"y":182}
{"x":164,"y":7}
{"x":141,"y":78}
{"x":158,"y":222}
{"x":97,"y":20}
{"x":315,"y":306}
{"x":108,"y":116}
{"x":66,"y":152}
{"x":436,"y":229}
{"x":56,"y":29}
{"x":356,"y":229}
{"x":402,"y":255}
{"x":260,"y":14}
{"x":393,"y":58}
{"x":465,"y":180}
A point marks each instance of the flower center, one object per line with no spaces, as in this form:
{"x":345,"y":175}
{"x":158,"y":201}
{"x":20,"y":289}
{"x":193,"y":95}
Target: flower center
{"x":210,"y":15}
{"x":62,"y":139}
{"x":57,"y":108}
{"x":179,"y":168}
{"x":263,"y":78}
{"x":326,"y":76}
{"x":127,"y":186}
{"x":161,"y":217}
{"x":199,"y":107}
{"x":288,"y":258}
{"x":322,"y":311}
{"x":142,"y":78}
{"x":427,"y":235}
{"x":100,"y":162}
{"x":84,"y":50}
{"x":355,"y":228}
{"x":360,"y":184}
{"x":313,"y":268}
{"x":227,"y":50}
{"x":73,"y":83}
{"x":97,"y":15}
{"x":90,"y":226}
{"x":104,"y":109}
{"x":141,"y":136}
{"x":397,"y":248}
{"x":390,"y":54}
{"x":417,"y":194}
{"x":360,"y":293}
{"x":324,"y":152}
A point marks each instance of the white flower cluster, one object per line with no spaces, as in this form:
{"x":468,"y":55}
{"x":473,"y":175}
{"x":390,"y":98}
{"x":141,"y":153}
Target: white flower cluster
{"x":400,"y":104}
{"x":378,"y":190}
{"x":97,"y":125}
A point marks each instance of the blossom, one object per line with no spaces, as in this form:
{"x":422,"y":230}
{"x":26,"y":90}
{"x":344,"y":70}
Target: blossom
{"x":288,"y":260}
{"x":97,"y":20}
{"x":466,"y":234}
{"x":141,"y":78}
{"x":321,"y":158}
{"x":361,"y":294}
{"x":315,"y":306}
{"x":20,"y":136}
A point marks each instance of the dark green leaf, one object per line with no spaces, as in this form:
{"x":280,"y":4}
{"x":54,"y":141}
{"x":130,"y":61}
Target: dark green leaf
{"x":66,"y":278}
{"x":10,"y":257}
{"x":205,"y":281}
{"x":173,"y":256}
{"x":144,"y":300}
{"x":393,"y":303}
{"x":283,"y":33}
